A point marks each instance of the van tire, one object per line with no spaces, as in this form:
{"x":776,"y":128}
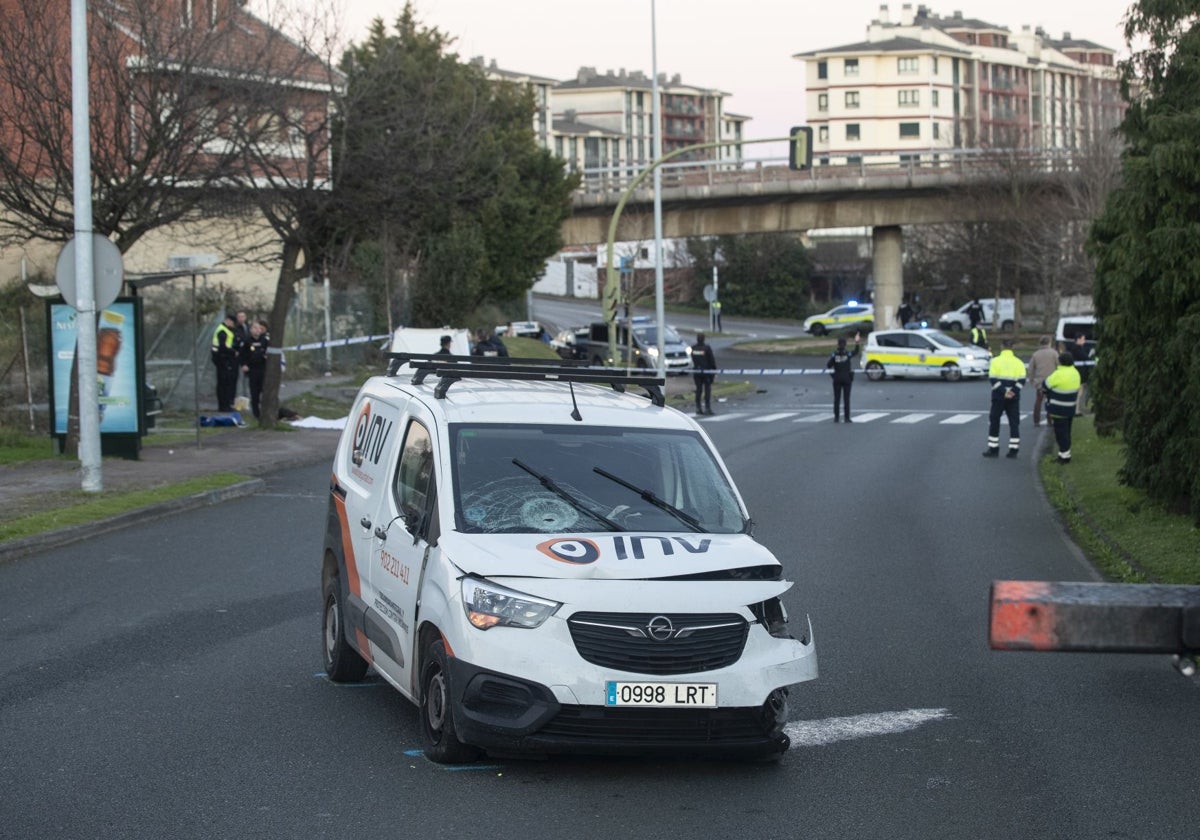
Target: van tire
{"x":342,"y":662}
{"x":437,"y":709}
{"x":1006,"y":326}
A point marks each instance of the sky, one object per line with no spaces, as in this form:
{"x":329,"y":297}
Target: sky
{"x":742,"y":47}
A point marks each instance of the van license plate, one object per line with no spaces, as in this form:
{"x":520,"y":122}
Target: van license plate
{"x":695,"y":695}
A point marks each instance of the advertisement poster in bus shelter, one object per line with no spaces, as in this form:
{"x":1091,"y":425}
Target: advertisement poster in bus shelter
{"x":117,"y":363}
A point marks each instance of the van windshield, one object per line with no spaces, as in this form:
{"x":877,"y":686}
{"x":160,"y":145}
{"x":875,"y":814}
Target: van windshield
{"x":524,"y":479}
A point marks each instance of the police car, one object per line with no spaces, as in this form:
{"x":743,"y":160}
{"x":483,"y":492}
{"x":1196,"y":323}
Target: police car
{"x":850,"y":314}
{"x":544,"y":561}
{"x":922,"y":353}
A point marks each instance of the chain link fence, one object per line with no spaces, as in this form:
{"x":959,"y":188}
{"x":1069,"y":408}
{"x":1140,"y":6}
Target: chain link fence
{"x":325,"y":333}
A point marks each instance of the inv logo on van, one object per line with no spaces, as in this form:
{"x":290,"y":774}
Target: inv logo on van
{"x":370,"y":434}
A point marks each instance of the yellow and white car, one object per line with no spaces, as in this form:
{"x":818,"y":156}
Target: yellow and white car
{"x":849,"y":314}
{"x":922,"y":353}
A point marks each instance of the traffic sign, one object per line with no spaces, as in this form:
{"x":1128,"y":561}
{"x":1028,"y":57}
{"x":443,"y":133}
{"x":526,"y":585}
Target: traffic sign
{"x":108,"y":272}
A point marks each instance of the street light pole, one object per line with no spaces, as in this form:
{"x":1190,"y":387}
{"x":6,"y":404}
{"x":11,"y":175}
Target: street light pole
{"x":659,"y":309}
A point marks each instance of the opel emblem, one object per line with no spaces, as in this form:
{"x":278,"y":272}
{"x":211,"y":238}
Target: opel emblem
{"x":660,"y":628}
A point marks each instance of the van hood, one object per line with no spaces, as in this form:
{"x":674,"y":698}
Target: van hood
{"x":611,"y":556}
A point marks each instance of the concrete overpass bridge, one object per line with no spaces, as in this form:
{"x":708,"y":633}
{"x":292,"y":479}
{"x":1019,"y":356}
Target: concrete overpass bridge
{"x":882,"y":191}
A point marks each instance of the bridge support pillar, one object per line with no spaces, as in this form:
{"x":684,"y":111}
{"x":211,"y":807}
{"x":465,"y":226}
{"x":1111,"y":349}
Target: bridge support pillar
{"x":888,"y":270}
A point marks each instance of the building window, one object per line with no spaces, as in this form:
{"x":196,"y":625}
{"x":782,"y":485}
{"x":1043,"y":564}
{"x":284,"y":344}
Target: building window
{"x":935,"y":65}
{"x":823,"y":134}
{"x":933,"y":95}
{"x":822,"y":101}
{"x":852,"y":131}
{"x":822,"y":69}
{"x":935,"y":131}
{"x":851,"y":99}
{"x":910,"y":130}
{"x":908,"y":64}
{"x":907,"y":98}
{"x":851,"y":67}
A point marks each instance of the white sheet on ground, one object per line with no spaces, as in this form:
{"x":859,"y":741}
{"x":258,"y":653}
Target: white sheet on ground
{"x":320,"y":423}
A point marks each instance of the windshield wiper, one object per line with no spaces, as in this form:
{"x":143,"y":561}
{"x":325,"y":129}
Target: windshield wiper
{"x":551,"y":485}
{"x":686,"y":518}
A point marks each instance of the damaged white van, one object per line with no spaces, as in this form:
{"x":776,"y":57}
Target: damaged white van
{"x":546,"y":562}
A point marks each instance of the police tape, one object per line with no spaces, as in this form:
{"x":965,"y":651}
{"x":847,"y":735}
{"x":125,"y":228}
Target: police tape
{"x":341,"y":342}
{"x":790,"y":371}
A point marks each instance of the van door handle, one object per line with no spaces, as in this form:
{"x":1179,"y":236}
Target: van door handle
{"x":381,"y":534}
{"x":366,"y":523}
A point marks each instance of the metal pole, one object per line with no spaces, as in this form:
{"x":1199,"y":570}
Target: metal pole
{"x":25,"y":367}
{"x":195,"y":366}
{"x":328,"y":327}
{"x":85,"y":291}
{"x":659,"y":313}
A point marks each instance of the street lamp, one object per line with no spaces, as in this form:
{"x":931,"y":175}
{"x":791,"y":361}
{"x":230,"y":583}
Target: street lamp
{"x":656,"y":145}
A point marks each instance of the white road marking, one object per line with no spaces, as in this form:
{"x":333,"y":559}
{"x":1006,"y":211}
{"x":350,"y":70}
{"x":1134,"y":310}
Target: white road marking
{"x":817,"y":733}
{"x":912,"y":418}
{"x":869,"y":416}
{"x":813,"y":418}
{"x":767,"y":418}
{"x":721,"y":418}
{"x":958,"y":419}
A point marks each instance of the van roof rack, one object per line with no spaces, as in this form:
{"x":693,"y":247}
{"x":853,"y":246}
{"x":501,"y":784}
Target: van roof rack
{"x":450,"y":369}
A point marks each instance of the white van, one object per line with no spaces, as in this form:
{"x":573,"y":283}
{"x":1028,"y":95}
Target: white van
{"x":959,"y":320}
{"x":544,"y":562}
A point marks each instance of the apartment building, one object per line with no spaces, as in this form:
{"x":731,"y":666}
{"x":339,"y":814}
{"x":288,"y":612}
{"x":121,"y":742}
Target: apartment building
{"x":927,"y":82}
{"x":622,"y":104}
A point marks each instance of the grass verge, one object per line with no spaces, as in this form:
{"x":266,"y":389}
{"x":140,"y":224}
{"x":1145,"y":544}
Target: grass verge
{"x":79,"y":508}
{"x":1127,"y":536}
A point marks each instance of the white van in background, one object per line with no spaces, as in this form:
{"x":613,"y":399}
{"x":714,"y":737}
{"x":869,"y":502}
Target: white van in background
{"x":958,"y":319}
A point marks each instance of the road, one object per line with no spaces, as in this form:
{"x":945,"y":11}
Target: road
{"x":164,"y":681}
{"x":564,"y":312}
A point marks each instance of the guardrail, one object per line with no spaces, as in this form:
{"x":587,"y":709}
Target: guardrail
{"x":965,"y":162}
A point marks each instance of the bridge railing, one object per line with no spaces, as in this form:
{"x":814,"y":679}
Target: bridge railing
{"x":965,"y":162}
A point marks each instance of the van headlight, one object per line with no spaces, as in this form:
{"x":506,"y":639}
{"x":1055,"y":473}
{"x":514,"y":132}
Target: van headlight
{"x":652,"y":351}
{"x":489,"y":605}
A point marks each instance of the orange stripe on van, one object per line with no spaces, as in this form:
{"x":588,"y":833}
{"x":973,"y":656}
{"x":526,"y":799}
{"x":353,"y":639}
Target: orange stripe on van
{"x":352,"y":579}
{"x":1021,"y":616}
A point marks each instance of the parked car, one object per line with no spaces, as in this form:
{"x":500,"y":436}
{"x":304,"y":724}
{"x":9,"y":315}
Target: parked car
{"x":860,"y":316}
{"x":959,"y":320}
{"x":638,"y":342}
{"x":922,"y":353}
{"x":1072,"y":325}
{"x":543,"y":563}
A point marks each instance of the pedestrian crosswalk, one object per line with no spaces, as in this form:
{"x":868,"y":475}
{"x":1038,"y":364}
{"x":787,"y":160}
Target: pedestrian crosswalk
{"x":903,"y":418}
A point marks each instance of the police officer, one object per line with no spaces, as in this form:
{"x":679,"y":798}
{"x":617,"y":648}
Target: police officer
{"x":979,"y":336}
{"x":841,"y":365}
{"x":703,"y":362}
{"x":254,"y":361}
{"x":225,"y":353}
{"x":1007,"y":375}
{"x":1062,"y":391}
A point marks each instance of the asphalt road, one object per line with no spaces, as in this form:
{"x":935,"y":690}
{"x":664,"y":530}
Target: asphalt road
{"x":164,"y":681}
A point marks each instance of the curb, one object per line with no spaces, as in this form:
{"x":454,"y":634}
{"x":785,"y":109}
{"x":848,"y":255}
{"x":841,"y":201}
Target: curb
{"x":14,"y":549}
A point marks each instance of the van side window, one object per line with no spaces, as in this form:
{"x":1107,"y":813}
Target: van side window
{"x":414,"y":476}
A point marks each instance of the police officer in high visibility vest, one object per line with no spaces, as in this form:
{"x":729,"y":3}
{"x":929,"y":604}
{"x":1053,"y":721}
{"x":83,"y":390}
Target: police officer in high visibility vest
{"x":225,"y":353}
{"x":1007,"y":375}
{"x":979,"y":336}
{"x":1062,"y":390}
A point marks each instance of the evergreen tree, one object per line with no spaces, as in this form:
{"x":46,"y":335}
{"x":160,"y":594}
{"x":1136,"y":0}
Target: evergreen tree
{"x":1147,"y":251}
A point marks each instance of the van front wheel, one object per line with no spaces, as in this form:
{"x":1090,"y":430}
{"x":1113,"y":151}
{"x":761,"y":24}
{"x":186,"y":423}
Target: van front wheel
{"x":437,"y":709}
